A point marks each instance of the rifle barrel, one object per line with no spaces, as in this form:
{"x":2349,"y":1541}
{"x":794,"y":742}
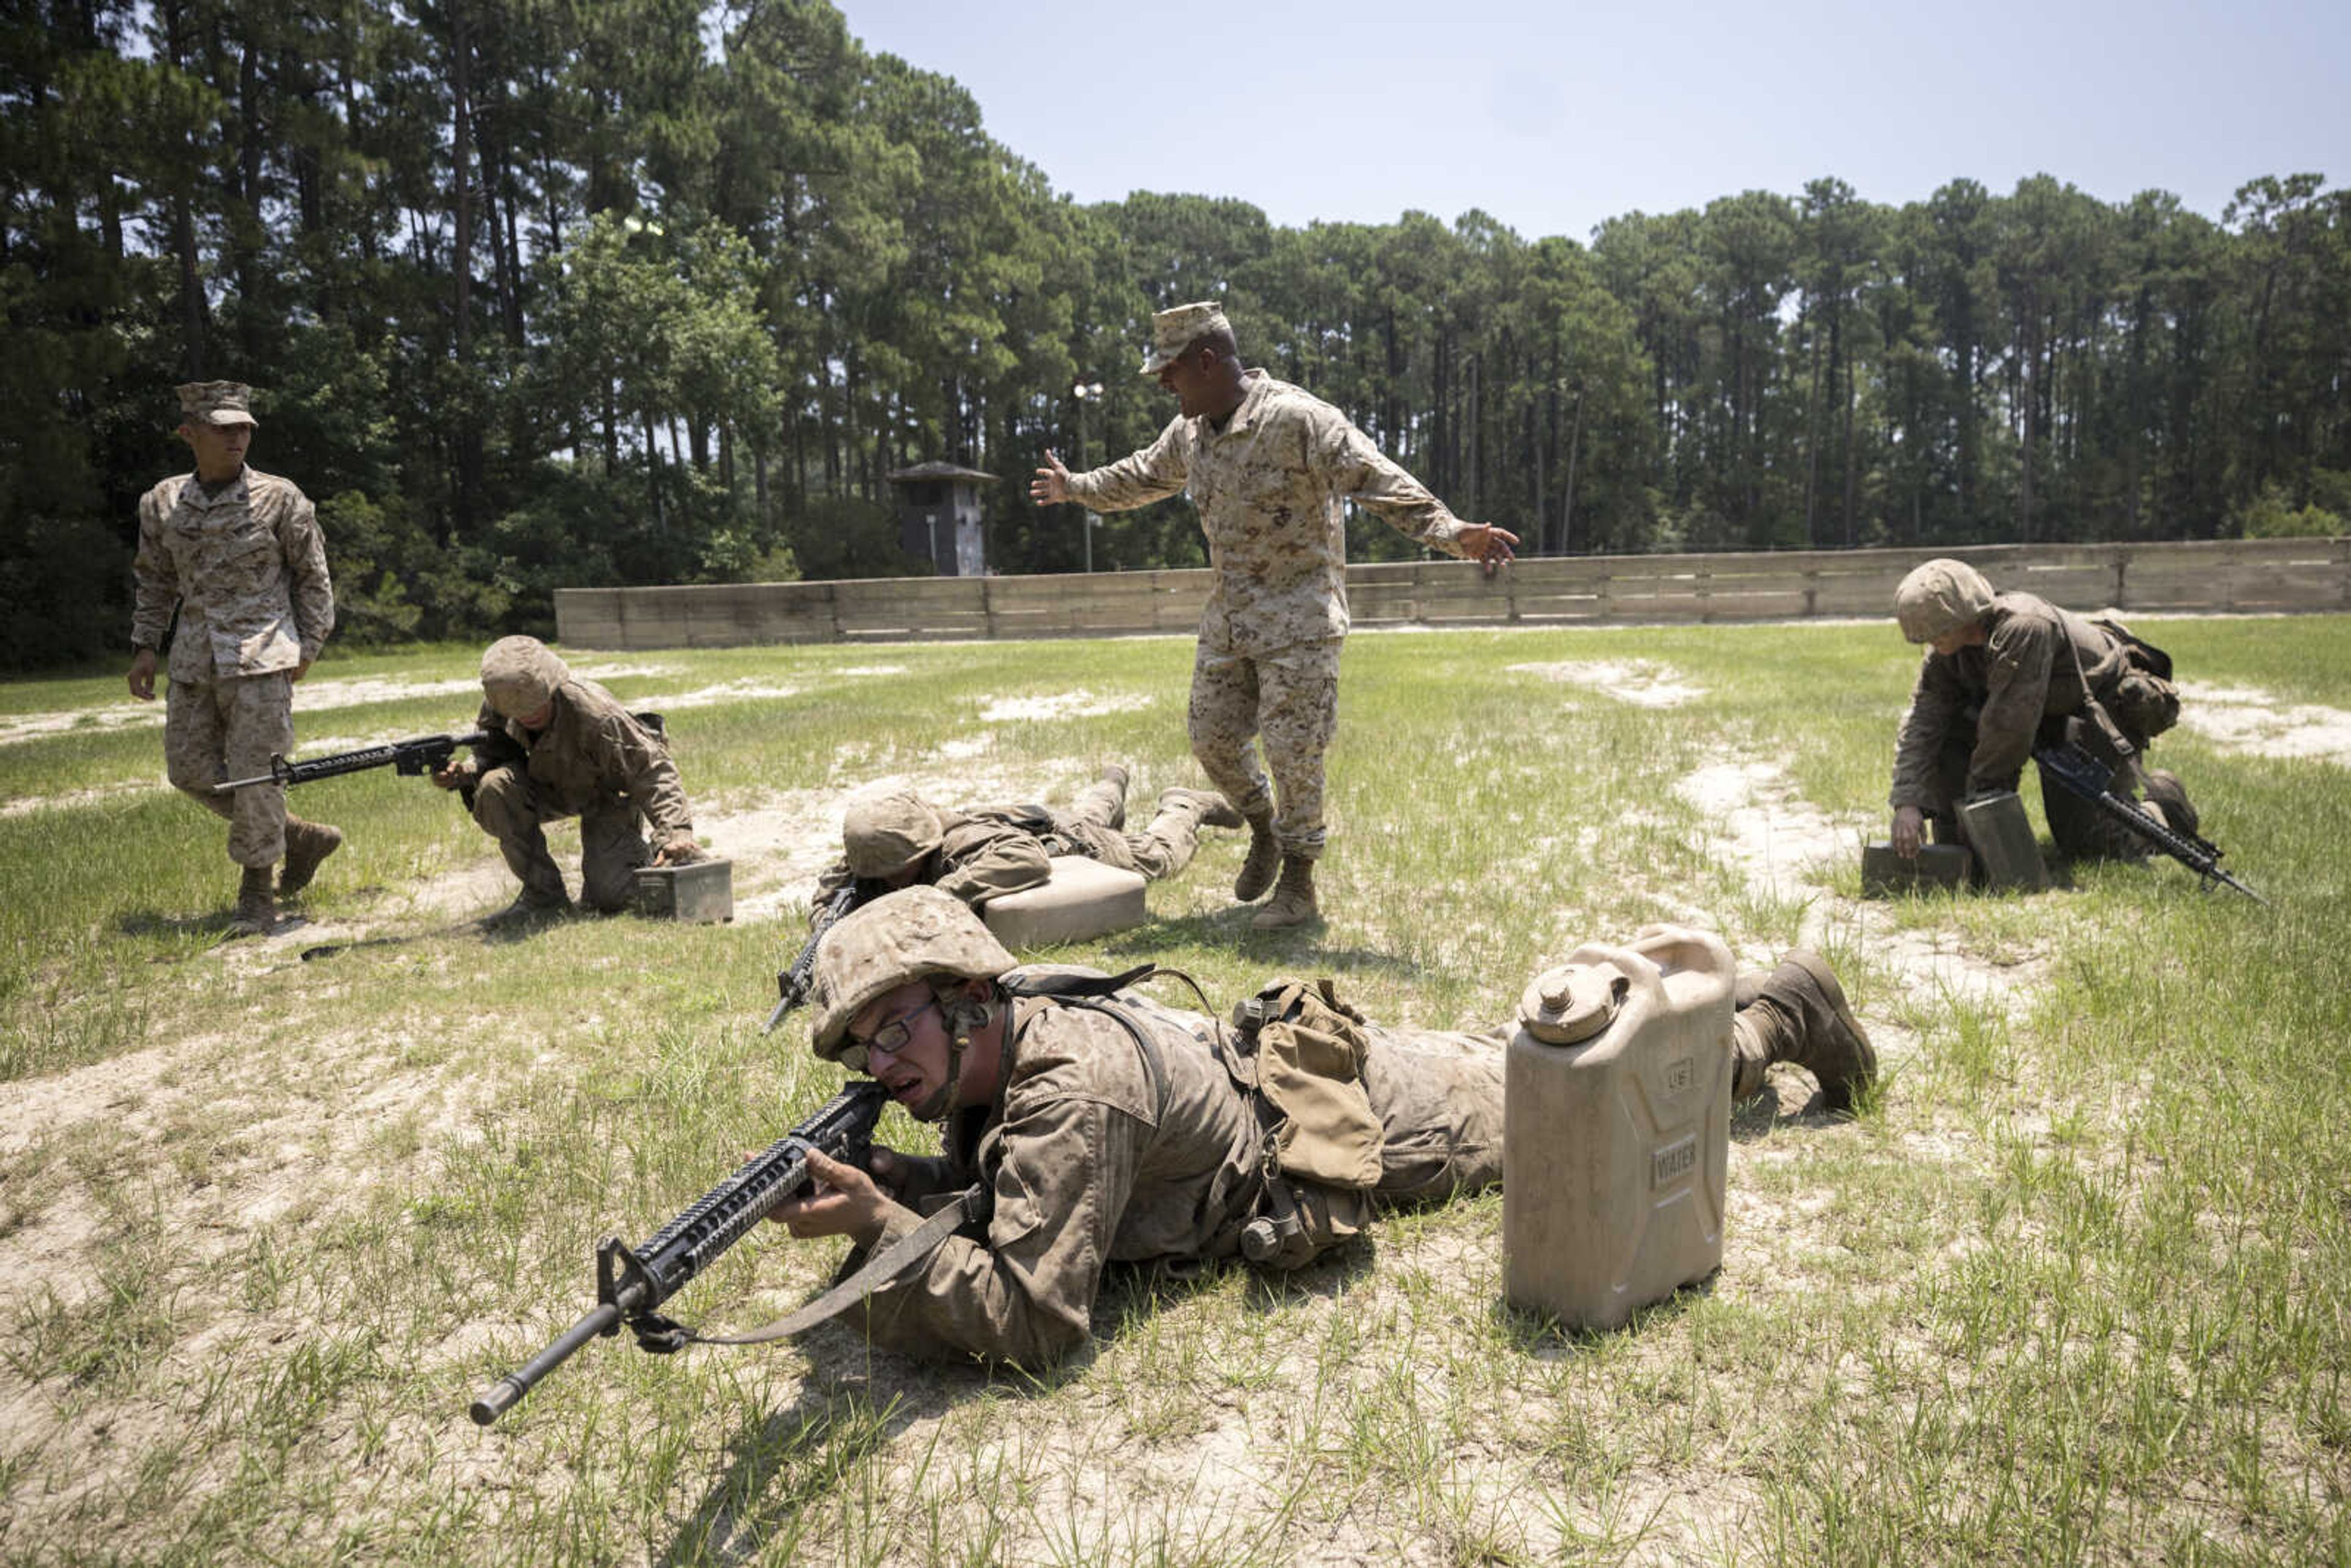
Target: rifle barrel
{"x":507,"y":1392}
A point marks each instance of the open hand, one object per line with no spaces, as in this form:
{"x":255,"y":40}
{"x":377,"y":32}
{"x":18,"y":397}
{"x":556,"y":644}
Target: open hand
{"x":1051,"y":485}
{"x":1485,"y":542}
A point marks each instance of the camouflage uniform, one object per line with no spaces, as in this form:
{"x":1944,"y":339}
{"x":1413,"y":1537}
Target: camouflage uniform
{"x":1095,"y":1156}
{"x":247,"y":567}
{"x":986,"y":852}
{"x":1270,"y":488}
{"x":593,"y":760}
{"x":1976,"y":715}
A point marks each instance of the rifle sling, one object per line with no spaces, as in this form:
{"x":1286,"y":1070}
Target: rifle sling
{"x":880,"y":1269}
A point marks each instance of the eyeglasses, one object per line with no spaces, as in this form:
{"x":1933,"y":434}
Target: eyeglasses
{"x":890,"y":1038}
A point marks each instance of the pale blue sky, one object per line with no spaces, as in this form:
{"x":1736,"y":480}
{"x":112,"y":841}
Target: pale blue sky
{"x":1552,"y":117}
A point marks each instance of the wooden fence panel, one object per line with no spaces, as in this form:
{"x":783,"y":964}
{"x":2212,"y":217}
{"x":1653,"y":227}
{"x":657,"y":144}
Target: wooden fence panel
{"x":2248,"y":575}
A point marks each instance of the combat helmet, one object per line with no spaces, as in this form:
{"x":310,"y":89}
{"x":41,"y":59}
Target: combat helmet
{"x":519,"y":674}
{"x":1940,"y":598}
{"x":886,"y":835}
{"x":914,"y":934}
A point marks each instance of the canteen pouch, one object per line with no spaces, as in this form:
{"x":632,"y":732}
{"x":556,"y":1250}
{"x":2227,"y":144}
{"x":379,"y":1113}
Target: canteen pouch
{"x":1309,"y":1048}
{"x":2143,"y":700}
{"x":1301,"y":1221}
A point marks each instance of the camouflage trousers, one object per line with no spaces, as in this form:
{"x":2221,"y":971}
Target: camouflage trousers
{"x":513,"y":807}
{"x":1439,"y":1095}
{"x":1289,"y":701}
{"x":2079,"y":829}
{"x":229,"y":727}
{"x":1093,"y":827}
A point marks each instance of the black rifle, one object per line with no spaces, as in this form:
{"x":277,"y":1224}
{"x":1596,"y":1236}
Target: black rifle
{"x":2083,"y":775}
{"x":792,"y":984}
{"x":426,"y":754}
{"x":630,"y":1285}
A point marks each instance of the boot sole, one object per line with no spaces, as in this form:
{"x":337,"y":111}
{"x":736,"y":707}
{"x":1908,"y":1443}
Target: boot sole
{"x":1816,"y":965}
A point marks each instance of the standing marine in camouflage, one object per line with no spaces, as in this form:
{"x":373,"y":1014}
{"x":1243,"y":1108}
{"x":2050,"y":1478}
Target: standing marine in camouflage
{"x":1090,"y":1124}
{"x":986,"y":852}
{"x":561,"y":747}
{"x":1268,"y":466}
{"x":2005,"y":672}
{"x":239,"y":553}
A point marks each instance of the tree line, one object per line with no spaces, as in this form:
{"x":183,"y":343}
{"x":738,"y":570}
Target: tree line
{"x":641,"y":291}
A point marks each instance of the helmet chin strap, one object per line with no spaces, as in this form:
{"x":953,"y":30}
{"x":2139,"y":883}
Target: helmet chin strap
{"x":964,"y":1018}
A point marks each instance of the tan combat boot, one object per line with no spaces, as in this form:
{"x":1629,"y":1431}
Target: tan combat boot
{"x":1215,"y":810}
{"x":257,"y":906}
{"x":306,"y":844}
{"x":1800,"y":1016}
{"x":1292,"y":903}
{"x":1264,"y":860}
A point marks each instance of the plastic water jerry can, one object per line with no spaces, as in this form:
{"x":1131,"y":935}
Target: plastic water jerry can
{"x":1617,"y":1127}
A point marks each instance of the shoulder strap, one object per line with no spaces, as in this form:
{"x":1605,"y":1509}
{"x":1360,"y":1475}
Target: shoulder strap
{"x":1066,"y":987}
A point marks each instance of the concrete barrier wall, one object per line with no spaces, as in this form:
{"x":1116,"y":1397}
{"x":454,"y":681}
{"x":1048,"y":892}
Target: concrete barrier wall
{"x":2247,"y":575}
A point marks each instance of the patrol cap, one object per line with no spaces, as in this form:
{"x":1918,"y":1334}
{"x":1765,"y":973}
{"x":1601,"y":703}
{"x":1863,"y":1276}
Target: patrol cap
{"x":217,"y":403}
{"x":1176,"y":329}
{"x":914,"y":934}
{"x":886,"y":835}
{"x":1940,"y":597}
{"x":519,"y":674}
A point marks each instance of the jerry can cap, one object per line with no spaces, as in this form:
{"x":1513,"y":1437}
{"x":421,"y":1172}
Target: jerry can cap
{"x":1569,"y":1005}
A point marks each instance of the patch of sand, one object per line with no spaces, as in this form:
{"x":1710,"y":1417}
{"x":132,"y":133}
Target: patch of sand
{"x":97,"y":794}
{"x":1781,"y":846}
{"x":2243,"y":719}
{"x":35,"y":725}
{"x":1061,"y":705}
{"x":1641,"y":682}
{"x":743,"y":690}
{"x":309,"y":696}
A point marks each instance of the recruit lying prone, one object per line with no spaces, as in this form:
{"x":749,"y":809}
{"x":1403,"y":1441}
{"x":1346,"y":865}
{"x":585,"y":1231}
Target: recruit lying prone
{"x":2083,"y":775}
{"x":631,"y":1282}
{"x":792,"y":984}
{"x":424,"y":754}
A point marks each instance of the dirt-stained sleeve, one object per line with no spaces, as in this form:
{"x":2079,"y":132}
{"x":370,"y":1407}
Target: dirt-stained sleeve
{"x":1360,"y":472}
{"x":2017,"y":662}
{"x":647,"y":774}
{"x":986,"y":860}
{"x":155,"y":576}
{"x":1026,"y":1295}
{"x":1138,"y":479}
{"x":1935,"y":701}
{"x":309,"y":586}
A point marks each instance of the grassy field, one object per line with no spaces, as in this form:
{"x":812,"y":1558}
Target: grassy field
{"x":2075,"y":1287}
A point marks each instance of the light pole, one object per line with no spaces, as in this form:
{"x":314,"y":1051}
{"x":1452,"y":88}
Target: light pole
{"x":1087,"y":393}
